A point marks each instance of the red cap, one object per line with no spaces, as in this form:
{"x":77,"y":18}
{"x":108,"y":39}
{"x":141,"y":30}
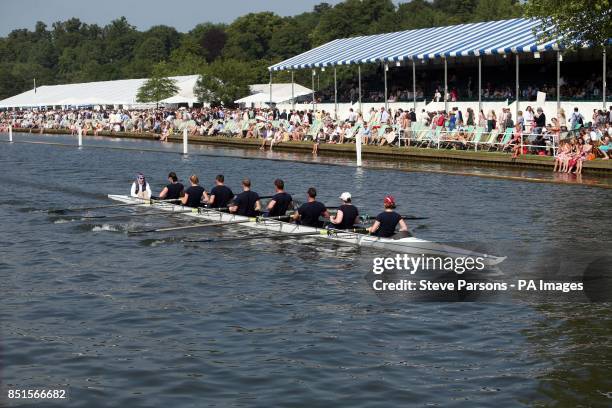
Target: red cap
{"x":390,"y":200}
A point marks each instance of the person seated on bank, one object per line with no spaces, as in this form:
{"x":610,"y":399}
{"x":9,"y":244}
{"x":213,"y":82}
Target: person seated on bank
{"x":194,"y":194}
{"x":606,"y":147}
{"x":140,"y":187}
{"x":386,"y":222}
{"x":246,"y":203}
{"x":174,"y":190}
{"x":220,"y":195}
{"x":308,"y":214}
{"x":281,"y":202}
{"x":347,"y":215}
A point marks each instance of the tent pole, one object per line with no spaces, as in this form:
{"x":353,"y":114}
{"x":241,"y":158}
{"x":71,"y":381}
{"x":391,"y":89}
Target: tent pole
{"x":292,"y":92}
{"x":516,"y":110}
{"x":445,"y":85}
{"x":558,"y":80}
{"x":603,"y":93}
{"x":359,"y":74}
{"x":270,"y":89}
{"x":414,"y":101}
{"x":335,"y":95}
{"x":386,"y":67}
{"x":479,"y":84}
{"x":313,"y":90}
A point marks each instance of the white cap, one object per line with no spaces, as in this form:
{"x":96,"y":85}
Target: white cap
{"x":345,"y":196}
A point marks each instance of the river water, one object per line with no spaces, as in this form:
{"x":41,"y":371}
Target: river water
{"x":124,"y":320}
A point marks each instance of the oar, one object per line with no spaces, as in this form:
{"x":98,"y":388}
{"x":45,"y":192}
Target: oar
{"x":134,"y":215}
{"x":97,"y":207}
{"x":214,"y":224}
{"x":406,"y":217}
{"x":255,"y":236}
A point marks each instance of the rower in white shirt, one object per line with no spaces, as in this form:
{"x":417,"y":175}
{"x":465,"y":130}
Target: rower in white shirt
{"x":140,"y":187}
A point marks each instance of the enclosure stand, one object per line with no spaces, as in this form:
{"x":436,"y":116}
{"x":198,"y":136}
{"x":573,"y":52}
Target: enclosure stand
{"x":292,"y":92}
{"x":335,"y":95}
{"x":558,"y":80}
{"x":359,"y":74}
{"x":414,"y":101}
{"x":479,"y":84}
{"x":445,"y":85}
{"x":516,"y":110}
{"x":603,"y":92}
{"x":314,"y":72}
{"x":386,"y":68}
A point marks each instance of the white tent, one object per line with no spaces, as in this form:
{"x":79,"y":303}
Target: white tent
{"x":119,"y":92}
{"x":260,"y":93}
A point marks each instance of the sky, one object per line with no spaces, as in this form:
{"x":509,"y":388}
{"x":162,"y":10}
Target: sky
{"x":182,"y":14}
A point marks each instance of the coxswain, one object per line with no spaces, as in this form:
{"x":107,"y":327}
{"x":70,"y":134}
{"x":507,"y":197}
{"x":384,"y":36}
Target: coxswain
{"x":386,"y":221}
{"x":193,"y":195}
{"x":174,"y":190}
{"x":281,"y":202}
{"x":140,"y":187}
{"x":347,"y":215}
{"x":220,"y":195}
{"x":308,"y":214}
{"x":246,"y":203}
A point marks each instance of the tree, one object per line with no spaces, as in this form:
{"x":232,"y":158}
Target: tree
{"x":487,"y":10}
{"x":249,"y":36}
{"x":574,"y":21}
{"x":210,"y":40}
{"x":224,"y":81}
{"x":157,"y":88}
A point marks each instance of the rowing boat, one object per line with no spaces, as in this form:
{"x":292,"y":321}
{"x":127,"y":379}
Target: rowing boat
{"x":409,"y":245}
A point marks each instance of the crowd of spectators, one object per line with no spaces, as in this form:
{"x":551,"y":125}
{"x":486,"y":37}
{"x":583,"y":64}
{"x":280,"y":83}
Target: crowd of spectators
{"x":570,"y":138}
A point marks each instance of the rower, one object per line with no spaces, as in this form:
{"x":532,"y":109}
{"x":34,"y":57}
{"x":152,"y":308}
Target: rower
{"x":347,"y":215}
{"x":386,"y":221}
{"x":140,"y":187}
{"x":193,"y":195}
{"x":308,"y":214}
{"x":246,"y":203}
{"x":220,"y":195}
{"x":281,"y":201}
{"x":174,"y":190}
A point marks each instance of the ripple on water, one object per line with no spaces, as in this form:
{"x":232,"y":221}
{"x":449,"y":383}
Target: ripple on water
{"x":154,"y":321}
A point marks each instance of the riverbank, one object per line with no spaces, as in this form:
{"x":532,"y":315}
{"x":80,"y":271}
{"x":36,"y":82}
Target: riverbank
{"x":493,"y":159}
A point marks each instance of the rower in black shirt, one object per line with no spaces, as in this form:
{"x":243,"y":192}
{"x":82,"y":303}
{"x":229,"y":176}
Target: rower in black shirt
{"x":386,"y":221}
{"x":347,"y":215}
{"x":220,"y":195}
{"x":172,"y":191}
{"x":281,"y":201}
{"x":193,"y":195}
{"x":246,"y":203}
{"x":308,"y":214}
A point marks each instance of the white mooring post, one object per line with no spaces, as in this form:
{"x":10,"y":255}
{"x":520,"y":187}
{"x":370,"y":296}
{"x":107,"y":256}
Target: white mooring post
{"x":11,"y":133}
{"x":358,"y":148}
{"x":80,"y":134}
{"x":185,"y":143}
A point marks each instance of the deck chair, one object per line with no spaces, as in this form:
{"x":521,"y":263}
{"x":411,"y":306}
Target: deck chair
{"x":506,"y":137}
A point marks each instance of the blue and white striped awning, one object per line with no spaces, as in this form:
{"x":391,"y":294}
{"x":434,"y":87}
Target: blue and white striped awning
{"x":486,"y":38}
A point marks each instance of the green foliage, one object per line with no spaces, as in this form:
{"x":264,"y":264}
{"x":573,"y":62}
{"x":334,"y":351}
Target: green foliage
{"x":576,"y":21}
{"x":249,"y":36}
{"x":157,"y":88}
{"x":224,"y":81}
{"x":73,"y":51}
